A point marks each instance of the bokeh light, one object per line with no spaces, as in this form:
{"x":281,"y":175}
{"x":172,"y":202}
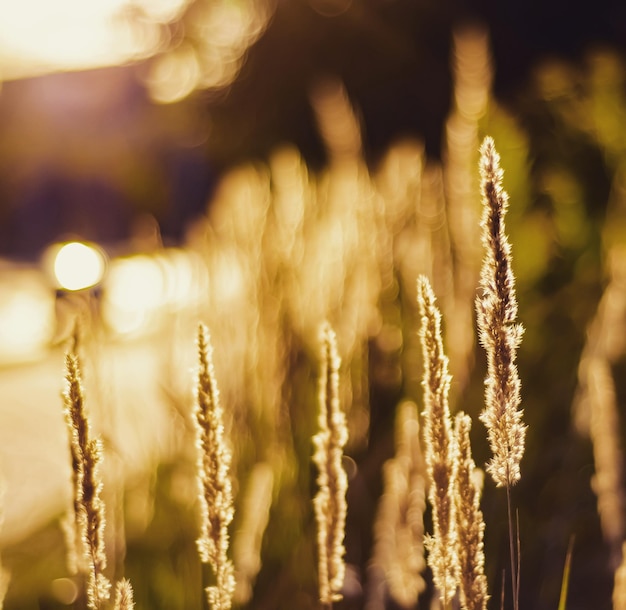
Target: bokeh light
{"x":38,"y":37}
{"x":217,"y":35}
{"x":78,"y":266}
{"x":140,"y":291}
{"x":27,"y":317}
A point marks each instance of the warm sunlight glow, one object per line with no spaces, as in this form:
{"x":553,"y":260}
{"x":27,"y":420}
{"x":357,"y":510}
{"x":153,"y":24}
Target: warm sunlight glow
{"x":141,"y":291}
{"x":37,"y":37}
{"x":220,"y":34}
{"x":78,"y":266}
{"x":27,"y":315}
{"x":133,"y":293}
{"x":174,"y":75}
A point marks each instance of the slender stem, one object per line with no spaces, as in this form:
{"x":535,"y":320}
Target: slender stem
{"x":519,"y":553}
{"x":445,"y":600}
{"x":566,"y":574}
{"x":514,"y":567}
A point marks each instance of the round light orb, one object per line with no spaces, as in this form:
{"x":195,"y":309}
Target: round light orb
{"x":78,"y":266}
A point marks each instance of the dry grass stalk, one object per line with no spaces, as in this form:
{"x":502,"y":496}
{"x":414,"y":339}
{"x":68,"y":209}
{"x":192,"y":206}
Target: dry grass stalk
{"x":5,"y":579}
{"x":607,"y":453}
{"x":124,"y":595}
{"x":439,"y":445}
{"x":399,"y":526}
{"x":619,"y":584}
{"x":595,"y":408}
{"x":215,"y":491}
{"x":605,"y":333}
{"x":88,"y":506}
{"x":5,"y":574}
{"x":337,"y":122}
{"x":472,"y":76}
{"x":500,"y":335}
{"x":330,"y":501}
{"x":255,"y":515}
{"x":469,"y":522}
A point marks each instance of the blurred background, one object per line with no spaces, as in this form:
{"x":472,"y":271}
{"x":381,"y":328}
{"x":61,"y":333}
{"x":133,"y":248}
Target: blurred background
{"x":263,"y":165}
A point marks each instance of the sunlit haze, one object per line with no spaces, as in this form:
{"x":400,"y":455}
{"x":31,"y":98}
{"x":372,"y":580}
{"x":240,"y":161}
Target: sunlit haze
{"x":39,"y":37}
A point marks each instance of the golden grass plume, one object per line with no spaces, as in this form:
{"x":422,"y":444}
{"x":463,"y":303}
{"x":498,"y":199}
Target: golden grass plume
{"x":214,"y":484}
{"x":439,"y":446}
{"x":124,"y":595}
{"x":470,"y":525}
{"x":89,"y":511}
{"x":330,"y":501}
{"x":500,"y":335}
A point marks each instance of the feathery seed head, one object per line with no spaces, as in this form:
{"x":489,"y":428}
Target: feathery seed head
{"x":88,"y":506}
{"x":500,"y":335}
{"x":330,"y":501}
{"x":214,"y":484}
{"x":124,"y":595}
{"x":469,"y":522}
{"x":439,"y":446}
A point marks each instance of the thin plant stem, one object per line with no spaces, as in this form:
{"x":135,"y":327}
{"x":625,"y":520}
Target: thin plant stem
{"x":566,"y":574}
{"x":519,"y":552}
{"x":514,"y":567}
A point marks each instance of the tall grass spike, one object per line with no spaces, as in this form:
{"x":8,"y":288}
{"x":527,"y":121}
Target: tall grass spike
{"x":88,"y":506}
{"x":330,"y":501}
{"x":439,"y":445}
{"x":214,"y":484}
{"x":500,"y":335}
{"x":469,"y":519}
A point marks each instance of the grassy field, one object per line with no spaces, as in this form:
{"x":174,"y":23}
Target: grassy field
{"x":281,"y":251}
